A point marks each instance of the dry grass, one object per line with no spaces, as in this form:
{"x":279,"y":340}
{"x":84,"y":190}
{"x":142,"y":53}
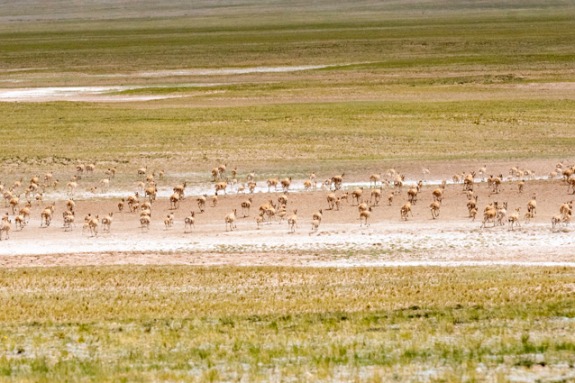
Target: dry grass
{"x":261,"y":324}
{"x":418,"y":82}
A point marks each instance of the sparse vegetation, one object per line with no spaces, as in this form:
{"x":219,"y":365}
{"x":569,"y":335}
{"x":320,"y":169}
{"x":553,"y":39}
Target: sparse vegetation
{"x":170,"y":323}
{"x":419,"y":81}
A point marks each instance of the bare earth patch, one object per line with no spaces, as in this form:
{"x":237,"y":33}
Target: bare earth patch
{"x":451,"y":240}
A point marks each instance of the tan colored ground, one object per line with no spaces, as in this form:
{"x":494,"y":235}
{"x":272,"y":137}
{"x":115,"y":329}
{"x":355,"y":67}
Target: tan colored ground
{"x":453,"y":239}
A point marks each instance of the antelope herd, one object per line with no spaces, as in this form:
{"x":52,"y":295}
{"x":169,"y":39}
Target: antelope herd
{"x":332,"y":195}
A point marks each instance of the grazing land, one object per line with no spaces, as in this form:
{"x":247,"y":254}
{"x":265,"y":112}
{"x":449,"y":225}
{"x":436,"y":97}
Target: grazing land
{"x":170,"y":323}
{"x":427,"y":90}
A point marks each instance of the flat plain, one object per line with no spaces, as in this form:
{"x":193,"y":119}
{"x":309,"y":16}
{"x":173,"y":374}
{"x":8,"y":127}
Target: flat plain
{"x":426,"y":89}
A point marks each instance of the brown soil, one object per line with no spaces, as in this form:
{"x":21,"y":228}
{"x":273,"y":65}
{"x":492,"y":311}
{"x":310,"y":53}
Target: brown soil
{"x":452,"y":239}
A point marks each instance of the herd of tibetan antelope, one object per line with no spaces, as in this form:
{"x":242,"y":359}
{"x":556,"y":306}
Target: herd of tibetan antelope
{"x":24,"y":199}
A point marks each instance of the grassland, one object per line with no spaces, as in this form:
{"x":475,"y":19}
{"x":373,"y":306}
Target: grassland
{"x":454,"y":82}
{"x":412,"y":81}
{"x":285,"y":324}
{"x":331,"y":133}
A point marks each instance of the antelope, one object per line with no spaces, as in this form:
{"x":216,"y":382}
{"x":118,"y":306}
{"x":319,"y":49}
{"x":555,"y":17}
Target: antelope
{"x":189,"y":221}
{"x":364,"y":216}
{"x":374,"y":179}
{"x":434,"y":207}
{"x":317,"y":215}
{"x":230,"y":220}
{"x":174,"y":201}
{"x":202,"y":202}
{"x":336,"y":181}
{"x":356,"y":194}
{"x":438,"y":194}
{"x":285,"y":183}
{"x":221,"y":186}
{"x":489,"y":214}
{"x":292,"y":221}
{"x":501,"y":214}
{"x":376,"y":195}
{"x":169,"y":221}
{"x":46,"y":215}
{"x":93,"y":225}
{"x":246,"y":205}
{"x":107,"y":222}
{"x":145,"y":222}
{"x":69,"y":218}
{"x":272,"y":182}
{"x":514,"y":218}
{"x":412,"y":194}
{"x":331,"y":198}
{"x":532,"y":207}
{"x":5,"y":228}
{"x":405,"y":210}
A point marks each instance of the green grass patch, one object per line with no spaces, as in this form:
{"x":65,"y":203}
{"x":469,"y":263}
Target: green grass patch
{"x":349,"y":131}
